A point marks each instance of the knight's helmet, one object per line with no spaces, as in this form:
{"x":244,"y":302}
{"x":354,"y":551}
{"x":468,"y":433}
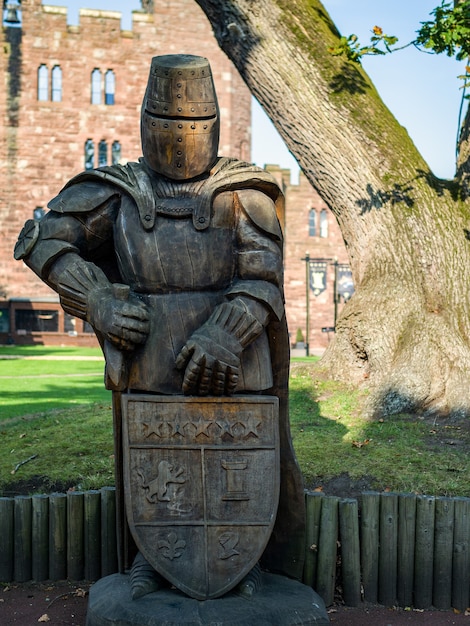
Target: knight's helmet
{"x":180,"y":117}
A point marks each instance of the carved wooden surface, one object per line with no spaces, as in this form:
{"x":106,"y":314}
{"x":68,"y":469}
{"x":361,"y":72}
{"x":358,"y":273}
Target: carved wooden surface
{"x":202,"y":485}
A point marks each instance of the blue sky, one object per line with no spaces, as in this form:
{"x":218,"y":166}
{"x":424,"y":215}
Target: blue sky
{"x":421,"y":90}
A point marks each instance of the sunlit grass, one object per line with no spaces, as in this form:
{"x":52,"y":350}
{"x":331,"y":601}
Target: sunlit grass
{"x":31,"y":386}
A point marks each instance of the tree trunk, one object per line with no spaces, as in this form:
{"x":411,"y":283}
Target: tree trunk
{"x":406,"y":331}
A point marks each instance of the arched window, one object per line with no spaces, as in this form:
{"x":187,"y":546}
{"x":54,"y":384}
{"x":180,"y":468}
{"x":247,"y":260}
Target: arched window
{"x":109,"y":87}
{"x":323,"y":223}
{"x":43,"y":83}
{"x":56,"y":84}
{"x":89,"y":154}
{"x":312,"y":223}
{"x":115,"y":152}
{"x":96,"y":86}
{"x":102,"y":153}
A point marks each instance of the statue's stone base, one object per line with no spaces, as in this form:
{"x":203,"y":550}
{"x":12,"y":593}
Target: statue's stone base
{"x":280,"y":602}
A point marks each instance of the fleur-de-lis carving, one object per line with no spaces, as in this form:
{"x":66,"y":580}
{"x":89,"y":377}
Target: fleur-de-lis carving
{"x":172,"y":547}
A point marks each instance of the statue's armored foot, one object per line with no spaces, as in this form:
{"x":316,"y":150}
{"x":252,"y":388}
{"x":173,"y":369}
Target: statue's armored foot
{"x":143,"y":578}
{"x":251,"y":584}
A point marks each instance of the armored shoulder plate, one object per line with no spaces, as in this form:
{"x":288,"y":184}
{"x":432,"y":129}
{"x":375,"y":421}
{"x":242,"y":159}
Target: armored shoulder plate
{"x":83,"y":197}
{"x":26,"y":240}
{"x":261,"y":210}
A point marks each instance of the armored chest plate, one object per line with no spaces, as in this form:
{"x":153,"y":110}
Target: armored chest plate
{"x":202,"y":485}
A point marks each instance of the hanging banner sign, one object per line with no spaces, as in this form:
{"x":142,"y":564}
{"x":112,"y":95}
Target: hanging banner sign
{"x":344,"y":282}
{"x":317,"y":276}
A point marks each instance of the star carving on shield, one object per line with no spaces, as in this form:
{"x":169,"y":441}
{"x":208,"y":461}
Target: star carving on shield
{"x":202,"y":427}
{"x":177,"y":428}
{"x":251,"y":426}
{"x":152,"y":427}
{"x":225,"y":428}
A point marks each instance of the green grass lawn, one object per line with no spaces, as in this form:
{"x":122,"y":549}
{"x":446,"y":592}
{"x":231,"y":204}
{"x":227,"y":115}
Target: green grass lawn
{"x":403,"y":453}
{"x":58,"y":412}
{"x":56,"y":416}
{"x":34,"y":385}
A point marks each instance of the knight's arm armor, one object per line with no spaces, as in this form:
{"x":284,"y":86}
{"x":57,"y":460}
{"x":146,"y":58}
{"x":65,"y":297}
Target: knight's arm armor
{"x":68,"y":249}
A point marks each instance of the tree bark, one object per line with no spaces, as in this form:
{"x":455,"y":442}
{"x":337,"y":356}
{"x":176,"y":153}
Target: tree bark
{"x":406,"y":331}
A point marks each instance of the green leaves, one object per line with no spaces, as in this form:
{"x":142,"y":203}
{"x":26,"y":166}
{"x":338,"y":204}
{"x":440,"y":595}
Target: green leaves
{"x":380,"y":43}
{"x":449,"y":32}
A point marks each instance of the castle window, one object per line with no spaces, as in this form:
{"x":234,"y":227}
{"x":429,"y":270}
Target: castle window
{"x":323,"y":223}
{"x":109,"y":87}
{"x":102,"y":153}
{"x":56,"y":84}
{"x":312,"y":223}
{"x":115,"y":152}
{"x":37,"y":321}
{"x":43,"y":83}
{"x":89,"y":154}
{"x":96,"y":86}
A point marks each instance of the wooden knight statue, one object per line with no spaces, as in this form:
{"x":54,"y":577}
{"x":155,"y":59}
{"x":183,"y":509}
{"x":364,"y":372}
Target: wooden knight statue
{"x":176,"y":262}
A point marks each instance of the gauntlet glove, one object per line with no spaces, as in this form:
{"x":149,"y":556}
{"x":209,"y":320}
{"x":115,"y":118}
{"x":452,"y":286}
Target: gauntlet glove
{"x":211,"y":356}
{"x":86,"y":293}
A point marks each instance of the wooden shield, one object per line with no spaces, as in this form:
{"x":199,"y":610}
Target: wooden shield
{"x":201,"y":482}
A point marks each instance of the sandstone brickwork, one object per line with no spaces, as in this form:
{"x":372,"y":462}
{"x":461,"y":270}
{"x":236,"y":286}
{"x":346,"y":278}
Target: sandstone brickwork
{"x":301,"y":199}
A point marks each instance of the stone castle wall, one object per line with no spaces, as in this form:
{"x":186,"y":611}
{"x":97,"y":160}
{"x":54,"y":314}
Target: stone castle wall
{"x":326,"y":243}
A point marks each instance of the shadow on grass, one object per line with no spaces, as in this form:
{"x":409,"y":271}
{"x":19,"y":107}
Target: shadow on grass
{"x":81,"y":390}
{"x":305,"y":415}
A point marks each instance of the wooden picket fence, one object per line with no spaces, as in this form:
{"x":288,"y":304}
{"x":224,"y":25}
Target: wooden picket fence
{"x":391,"y":549}
{"x":58,"y":536}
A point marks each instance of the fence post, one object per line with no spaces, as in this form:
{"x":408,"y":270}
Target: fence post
{"x":109,"y":564}
{"x":388,"y":545}
{"x":313,"y":502}
{"x":370,"y":503}
{"x":57,"y":536}
{"x":350,"y":560}
{"x":461,"y":560}
{"x":75,"y":556}
{"x":424,"y":555}
{"x":40,"y":536}
{"x":443,"y":538}
{"x":6,"y":539}
{"x":406,"y":548}
{"x":327,"y":547}
{"x":22,"y":565}
{"x":92,"y":535}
